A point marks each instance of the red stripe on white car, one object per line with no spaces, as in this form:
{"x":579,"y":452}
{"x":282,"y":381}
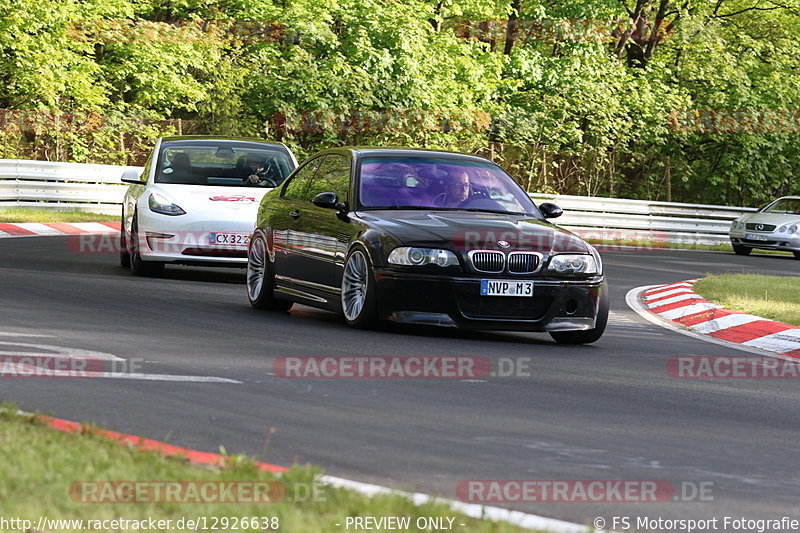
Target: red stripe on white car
{"x":677,"y":303}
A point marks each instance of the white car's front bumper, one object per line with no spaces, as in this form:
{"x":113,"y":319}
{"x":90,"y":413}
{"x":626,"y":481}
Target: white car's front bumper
{"x":190,"y":239}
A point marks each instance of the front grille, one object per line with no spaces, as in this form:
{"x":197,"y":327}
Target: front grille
{"x":487,"y":261}
{"x":473,"y":305}
{"x":522,"y":262}
{"x":763,"y":227}
{"x":215,"y":252}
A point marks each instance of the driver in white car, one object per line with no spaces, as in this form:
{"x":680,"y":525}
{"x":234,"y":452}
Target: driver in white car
{"x":260,"y":174}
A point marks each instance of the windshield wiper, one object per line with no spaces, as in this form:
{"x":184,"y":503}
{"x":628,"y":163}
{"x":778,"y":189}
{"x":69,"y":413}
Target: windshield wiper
{"x":402,"y":207}
{"x":479,"y":210}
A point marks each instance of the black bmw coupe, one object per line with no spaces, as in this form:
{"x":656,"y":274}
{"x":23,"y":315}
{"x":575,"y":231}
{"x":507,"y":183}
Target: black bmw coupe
{"x":423,"y":237}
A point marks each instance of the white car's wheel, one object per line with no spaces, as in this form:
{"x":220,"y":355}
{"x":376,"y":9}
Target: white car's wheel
{"x":124,"y":254}
{"x":138,"y":266}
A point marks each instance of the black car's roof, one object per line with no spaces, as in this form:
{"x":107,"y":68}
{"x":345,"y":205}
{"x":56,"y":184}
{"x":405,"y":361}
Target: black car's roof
{"x":211,"y":138}
{"x":366,"y":151}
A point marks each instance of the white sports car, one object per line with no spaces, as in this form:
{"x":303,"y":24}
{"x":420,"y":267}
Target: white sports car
{"x":196,"y":201}
{"x":775,"y":227}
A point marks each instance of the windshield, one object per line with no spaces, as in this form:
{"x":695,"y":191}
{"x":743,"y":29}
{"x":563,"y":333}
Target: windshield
{"x":415,"y":182}
{"x":222,"y":163}
{"x":787,"y":206}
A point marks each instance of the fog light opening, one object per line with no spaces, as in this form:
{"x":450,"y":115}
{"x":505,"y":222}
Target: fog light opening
{"x":571,"y":306}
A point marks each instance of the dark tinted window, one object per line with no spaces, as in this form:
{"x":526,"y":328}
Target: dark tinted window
{"x":333,"y":176}
{"x":300,"y":185}
{"x":440,"y":183}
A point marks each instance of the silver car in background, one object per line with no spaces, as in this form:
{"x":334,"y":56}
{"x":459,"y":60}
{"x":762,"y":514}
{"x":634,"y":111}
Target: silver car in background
{"x":775,"y":227}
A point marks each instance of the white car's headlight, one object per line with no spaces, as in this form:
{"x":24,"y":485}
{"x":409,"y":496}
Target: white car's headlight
{"x":422,"y":256}
{"x":159,"y":204}
{"x":573,"y":264}
{"x":735,"y":225}
{"x":792,"y":228}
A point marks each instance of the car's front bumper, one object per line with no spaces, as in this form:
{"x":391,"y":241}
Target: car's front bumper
{"x":189,"y":240}
{"x":455,"y":301}
{"x":775,"y":240}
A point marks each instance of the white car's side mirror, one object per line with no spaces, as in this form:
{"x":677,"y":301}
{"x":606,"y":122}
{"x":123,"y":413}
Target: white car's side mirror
{"x":132,"y":176}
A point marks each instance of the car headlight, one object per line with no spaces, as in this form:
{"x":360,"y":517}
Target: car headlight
{"x":735,"y":225}
{"x":573,"y":264}
{"x":159,"y":204}
{"x":598,"y":261}
{"x":783,"y":229}
{"x":793,"y":228}
{"x":422,"y":256}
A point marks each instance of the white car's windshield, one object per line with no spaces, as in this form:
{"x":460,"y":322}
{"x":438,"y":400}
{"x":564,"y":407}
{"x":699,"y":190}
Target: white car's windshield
{"x":787,"y":206}
{"x":440,"y":183}
{"x":228,"y":164}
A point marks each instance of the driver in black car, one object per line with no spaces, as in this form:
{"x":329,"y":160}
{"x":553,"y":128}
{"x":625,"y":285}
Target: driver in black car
{"x":457,"y":189}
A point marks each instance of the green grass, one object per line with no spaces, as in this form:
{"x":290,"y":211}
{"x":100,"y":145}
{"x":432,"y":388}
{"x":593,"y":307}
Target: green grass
{"x":773,"y":297}
{"x":31,"y":214}
{"x":38,"y":465}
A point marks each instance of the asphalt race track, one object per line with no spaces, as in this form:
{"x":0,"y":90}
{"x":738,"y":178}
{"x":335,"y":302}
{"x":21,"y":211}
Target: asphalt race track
{"x":606,"y":411}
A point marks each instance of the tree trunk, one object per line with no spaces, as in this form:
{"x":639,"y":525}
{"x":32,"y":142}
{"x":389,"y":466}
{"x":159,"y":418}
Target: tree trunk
{"x":511,"y":28}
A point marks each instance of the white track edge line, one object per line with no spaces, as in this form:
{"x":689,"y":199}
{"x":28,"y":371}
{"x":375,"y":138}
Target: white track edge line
{"x":473,"y":510}
{"x":632,"y":299}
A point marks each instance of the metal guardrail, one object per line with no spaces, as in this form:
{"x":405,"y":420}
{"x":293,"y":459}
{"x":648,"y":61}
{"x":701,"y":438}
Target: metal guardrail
{"x":52,"y":185}
{"x":616,"y":218}
{"x":97,"y":188}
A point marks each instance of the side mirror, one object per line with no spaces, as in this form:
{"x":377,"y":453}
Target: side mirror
{"x":550,"y":210}
{"x":328,"y":200}
{"x":132,"y":176}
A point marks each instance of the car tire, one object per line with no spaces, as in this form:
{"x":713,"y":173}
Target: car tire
{"x":261,"y":277}
{"x":358,"y":299}
{"x":741,"y":250}
{"x":138,"y":266}
{"x":796,"y":255}
{"x":590,"y":335}
{"x":124,"y":255}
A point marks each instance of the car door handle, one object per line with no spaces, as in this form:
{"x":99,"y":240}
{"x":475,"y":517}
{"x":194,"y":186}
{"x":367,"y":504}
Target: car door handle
{"x":295,"y":213}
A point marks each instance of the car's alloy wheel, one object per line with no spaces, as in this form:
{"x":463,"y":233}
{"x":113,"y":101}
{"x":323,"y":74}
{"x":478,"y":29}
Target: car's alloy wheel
{"x":590,"y":335}
{"x":138,"y":266}
{"x":358,"y":291}
{"x":261,"y":279}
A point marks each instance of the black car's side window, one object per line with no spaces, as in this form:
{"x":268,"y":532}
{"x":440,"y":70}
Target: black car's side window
{"x":333,"y":176}
{"x":301,"y":182}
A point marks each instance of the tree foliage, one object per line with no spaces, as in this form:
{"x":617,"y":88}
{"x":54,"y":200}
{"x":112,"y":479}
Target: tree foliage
{"x":653,"y":99}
